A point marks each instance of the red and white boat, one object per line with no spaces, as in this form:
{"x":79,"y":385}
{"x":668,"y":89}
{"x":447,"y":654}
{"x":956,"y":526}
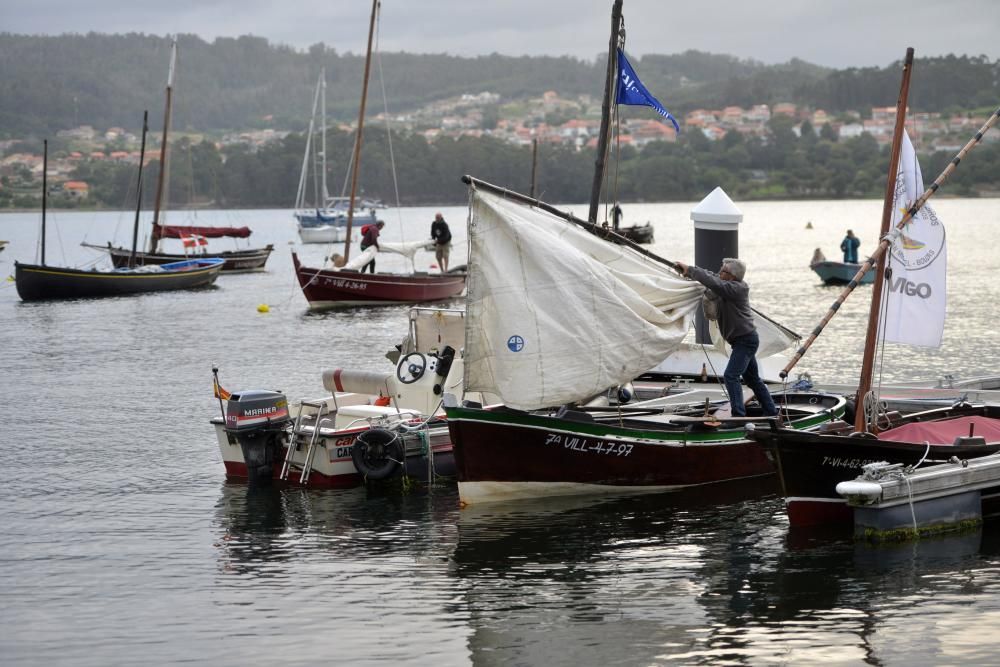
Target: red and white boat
{"x":369,"y":426}
{"x":326,"y":288}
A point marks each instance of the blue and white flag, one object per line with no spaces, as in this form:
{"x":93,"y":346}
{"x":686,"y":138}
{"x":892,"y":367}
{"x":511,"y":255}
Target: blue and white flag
{"x":631,"y":90}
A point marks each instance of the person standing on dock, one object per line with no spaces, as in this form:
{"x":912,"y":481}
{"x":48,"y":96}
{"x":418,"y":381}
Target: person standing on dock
{"x":369,"y":237}
{"x":737,"y":327}
{"x":442,"y":241}
{"x":850,"y":247}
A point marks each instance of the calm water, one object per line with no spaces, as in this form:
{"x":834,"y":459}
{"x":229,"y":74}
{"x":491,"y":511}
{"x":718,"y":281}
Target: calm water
{"x":124,"y":545}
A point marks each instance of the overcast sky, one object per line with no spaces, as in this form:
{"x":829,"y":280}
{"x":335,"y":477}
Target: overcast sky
{"x":841,"y":33}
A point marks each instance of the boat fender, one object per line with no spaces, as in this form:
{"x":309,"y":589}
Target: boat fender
{"x":377,"y":454}
{"x":860,"y":489}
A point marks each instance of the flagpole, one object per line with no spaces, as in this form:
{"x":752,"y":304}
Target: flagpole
{"x":218,"y":392}
{"x":887,"y":240}
{"x":602,"y":140}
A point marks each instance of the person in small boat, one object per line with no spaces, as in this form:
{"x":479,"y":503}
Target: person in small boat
{"x":850,"y":247}
{"x":818,"y":257}
{"x":616,"y":216}
{"x":737,"y":327}
{"x":442,"y":241}
{"x":369,"y":238}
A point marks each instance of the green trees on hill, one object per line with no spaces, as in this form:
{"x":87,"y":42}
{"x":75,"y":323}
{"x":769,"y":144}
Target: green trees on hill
{"x":781,"y":166}
{"x":57,"y":82}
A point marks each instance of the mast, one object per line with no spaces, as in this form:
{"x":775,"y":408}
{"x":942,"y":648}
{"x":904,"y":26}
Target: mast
{"x":324,"y":195}
{"x":154,"y":239}
{"x":300,"y":195}
{"x":602,"y":142}
{"x":868,"y":359}
{"x":357,"y":139}
{"x":534,"y":165}
{"x":45,"y":190}
{"x":138,"y":192}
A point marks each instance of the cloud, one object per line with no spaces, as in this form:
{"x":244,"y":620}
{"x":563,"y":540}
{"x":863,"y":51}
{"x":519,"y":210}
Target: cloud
{"x":846,"y":33}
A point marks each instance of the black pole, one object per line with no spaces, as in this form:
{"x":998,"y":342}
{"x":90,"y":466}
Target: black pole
{"x":534,"y":165}
{"x":602,"y":141}
{"x":138,"y":192}
{"x":45,"y":190}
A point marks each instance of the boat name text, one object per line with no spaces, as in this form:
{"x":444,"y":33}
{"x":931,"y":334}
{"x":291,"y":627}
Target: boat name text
{"x":584,"y":445}
{"x":837,"y":462}
{"x":345,"y":284}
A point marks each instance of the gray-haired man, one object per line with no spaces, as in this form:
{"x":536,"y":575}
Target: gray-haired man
{"x":737,"y":327}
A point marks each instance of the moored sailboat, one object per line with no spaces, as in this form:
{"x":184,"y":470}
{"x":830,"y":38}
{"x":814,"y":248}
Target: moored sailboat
{"x":326,"y":288}
{"x":810,"y":465}
{"x":234,"y":261}
{"x":325,"y":220}
{"x":524,"y":344}
{"x":38,"y":282}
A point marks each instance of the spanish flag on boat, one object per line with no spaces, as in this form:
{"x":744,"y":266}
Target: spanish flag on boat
{"x":219,"y":391}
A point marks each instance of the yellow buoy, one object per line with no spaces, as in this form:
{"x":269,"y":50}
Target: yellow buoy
{"x":263,"y":308}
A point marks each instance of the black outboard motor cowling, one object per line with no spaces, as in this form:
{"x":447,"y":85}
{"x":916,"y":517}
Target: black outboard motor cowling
{"x":258,"y":419}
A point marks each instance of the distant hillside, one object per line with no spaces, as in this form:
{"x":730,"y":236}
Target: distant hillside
{"x":52,"y":83}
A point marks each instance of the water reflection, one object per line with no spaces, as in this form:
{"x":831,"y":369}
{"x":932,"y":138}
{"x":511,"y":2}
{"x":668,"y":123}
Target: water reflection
{"x":548,"y":582}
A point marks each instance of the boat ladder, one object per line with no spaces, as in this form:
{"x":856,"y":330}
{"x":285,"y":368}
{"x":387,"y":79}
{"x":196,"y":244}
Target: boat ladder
{"x":293,"y":445}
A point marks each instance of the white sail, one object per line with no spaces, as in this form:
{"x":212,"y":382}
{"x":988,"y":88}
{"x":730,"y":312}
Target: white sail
{"x":359,"y":260}
{"x":555,"y":314}
{"x":915,"y":298}
{"x":408,"y":249}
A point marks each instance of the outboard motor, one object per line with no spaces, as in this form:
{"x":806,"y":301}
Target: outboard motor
{"x":258,"y":420}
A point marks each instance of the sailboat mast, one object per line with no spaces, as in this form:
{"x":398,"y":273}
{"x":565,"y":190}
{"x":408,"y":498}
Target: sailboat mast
{"x":138,"y":192}
{"x":871,"y":339}
{"x":602,"y":141}
{"x":324,"y":195}
{"x":154,"y":239}
{"x":357,"y":139}
{"x":300,"y":195}
{"x":45,"y":190}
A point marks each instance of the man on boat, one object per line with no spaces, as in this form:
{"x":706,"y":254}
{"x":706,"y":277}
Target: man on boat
{"x":850,"y":247}
{"x":442,"y":241}
{"x":737,"y":327}
{"x":369,"y":237}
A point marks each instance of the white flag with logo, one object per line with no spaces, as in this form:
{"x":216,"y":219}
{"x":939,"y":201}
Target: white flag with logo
{"x":915,"y":290}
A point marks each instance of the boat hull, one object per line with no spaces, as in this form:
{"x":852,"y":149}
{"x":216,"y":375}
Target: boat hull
{"x":638,"y":233}
{"x":38,"y":283}
{"x":333,"y":466}
{"x":839,"y":273}
{"x":810,"y":465}
{"x":236,"y":261}
{"x":334,"y":218}
{"x":503,"y":454}
{"x":322,"y":234}
{"x":325,"y":289}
